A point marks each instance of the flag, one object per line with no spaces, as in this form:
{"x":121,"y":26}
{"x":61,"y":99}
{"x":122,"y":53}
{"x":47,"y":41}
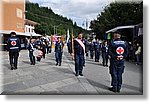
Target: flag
{"x":108,"y":36}
{"x":68,"y":35}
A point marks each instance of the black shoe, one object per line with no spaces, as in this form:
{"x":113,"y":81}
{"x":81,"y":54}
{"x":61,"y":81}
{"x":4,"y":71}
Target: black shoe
{"x":11,"y":68}
{"x":113,"y":89}
{"x":15,"y":68}
{"x":76,"y":74}
{"x":80,"y":74}
{"x":59,"y":64}
{"x":56,"y":64}
{"x":118,"y":90}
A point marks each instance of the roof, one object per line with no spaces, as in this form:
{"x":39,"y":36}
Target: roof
{"x":27,"y":21}
{"x":18,"y":33}
{"x":120,"y":27}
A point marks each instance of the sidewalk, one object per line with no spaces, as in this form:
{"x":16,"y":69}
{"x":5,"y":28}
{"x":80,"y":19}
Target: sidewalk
{"x":43,"y":78}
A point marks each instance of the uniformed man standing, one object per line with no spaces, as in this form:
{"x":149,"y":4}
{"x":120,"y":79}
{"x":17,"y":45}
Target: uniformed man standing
{"x":69,"y":46}
{"x":44,"y":45}
{"x":31,"y":49}
{"x":14,"y":47}
{"x":118,"y":52}
{"x":91,"y":50}
{"x":58,"y":51}
{"x":105,"y":53}
{"x":79,"y":51}
{"x":97,"y":47}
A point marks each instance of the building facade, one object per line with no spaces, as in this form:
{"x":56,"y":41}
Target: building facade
{"x":12,"y":15}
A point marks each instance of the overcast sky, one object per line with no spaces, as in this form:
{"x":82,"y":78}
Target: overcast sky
{"x":77,"y":10}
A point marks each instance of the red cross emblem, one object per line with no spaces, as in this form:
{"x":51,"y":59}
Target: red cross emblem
{"x":13,"y":43}
{"x":120,"y":50}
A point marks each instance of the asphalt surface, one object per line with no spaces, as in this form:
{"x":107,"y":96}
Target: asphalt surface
{"x":47,"y":78}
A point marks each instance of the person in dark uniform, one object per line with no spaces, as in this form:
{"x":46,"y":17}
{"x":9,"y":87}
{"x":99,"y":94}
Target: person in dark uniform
{"x":97,"y":47}
{"x":58,"y":51}
{"x":78,"y":56}
{"x":14,"y":48}
{"x":31,"y":50}
{"x":49,"y":45}
{"x":118,"y":52}
{"x":38,"y":43}
{"x":91,"y":50}
{"x":105,"y":53}
{"x":69,"y":46}
{"x":44,"y":45}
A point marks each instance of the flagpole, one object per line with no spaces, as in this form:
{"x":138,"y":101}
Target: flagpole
{"x":72,"y":47}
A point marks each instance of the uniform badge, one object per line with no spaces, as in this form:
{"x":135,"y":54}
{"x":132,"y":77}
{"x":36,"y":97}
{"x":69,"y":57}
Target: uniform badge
{"x":120,"y":50}
{"x":13,"y":43}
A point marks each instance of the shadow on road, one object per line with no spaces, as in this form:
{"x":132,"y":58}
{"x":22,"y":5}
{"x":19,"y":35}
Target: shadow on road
{"x":99,"y":85}
{"x":26,"y":62}
{"x":67,"y":71}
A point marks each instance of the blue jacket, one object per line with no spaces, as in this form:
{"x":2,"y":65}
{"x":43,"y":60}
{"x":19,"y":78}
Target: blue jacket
{"x":104,"y":48}
{"x":59,"y":47}
{"x":38,"y":43}
{"x":31,"y":47}
{"x":97,"y":46}
{"x":14,"y":44}
{"x":91,"y":47}
{"x":78,"y":48}
{"x":117,"y":48}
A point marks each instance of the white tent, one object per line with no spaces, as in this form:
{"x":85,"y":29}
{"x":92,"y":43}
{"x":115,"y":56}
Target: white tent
{"x":120,"y":27}
{"x":9,"y":31}
{"x":18,"y":33}
{"x":33,"y":34}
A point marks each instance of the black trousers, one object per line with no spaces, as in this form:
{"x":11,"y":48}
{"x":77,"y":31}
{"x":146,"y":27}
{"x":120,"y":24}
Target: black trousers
{"x":58,"y":56}
{"x":32,"y":57}
{"x":79,"y":62}
{"x":13,"y":58}
{"x":44,"y":52}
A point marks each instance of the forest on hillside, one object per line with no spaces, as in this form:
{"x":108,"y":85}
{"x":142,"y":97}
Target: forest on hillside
{"x":49,"y":22}
{"x":117,"y":14}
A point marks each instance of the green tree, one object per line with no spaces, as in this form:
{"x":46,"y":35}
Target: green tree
{"x":48,"y":19}
{"x":117,"y":14}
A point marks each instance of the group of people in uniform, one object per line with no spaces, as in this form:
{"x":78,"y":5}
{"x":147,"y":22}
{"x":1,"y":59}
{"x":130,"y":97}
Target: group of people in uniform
{"x":116,"y":51}
{"x":97,"y":47}
{"x":37,"y":49}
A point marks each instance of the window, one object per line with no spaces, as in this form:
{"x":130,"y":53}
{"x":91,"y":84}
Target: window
{"x":19,"y":13}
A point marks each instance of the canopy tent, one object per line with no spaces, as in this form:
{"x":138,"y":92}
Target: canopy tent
{"x":18,"y":33}
{"x":33,"y":34}
{"x":120,"y":27}
{"x":9,"y":31}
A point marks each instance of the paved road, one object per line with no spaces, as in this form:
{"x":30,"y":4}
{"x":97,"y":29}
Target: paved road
{"x":46,"y":78}
{"x":99,"y":77}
